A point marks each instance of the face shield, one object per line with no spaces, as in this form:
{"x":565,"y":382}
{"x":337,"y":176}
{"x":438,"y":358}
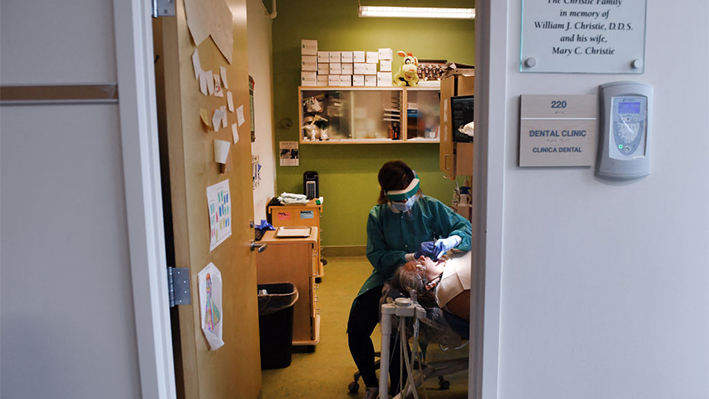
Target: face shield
{"x":405,"y":194}
{"x":403,"y":200}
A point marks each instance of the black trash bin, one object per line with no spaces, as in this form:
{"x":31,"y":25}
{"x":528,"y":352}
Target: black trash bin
{"x":275,"y":307}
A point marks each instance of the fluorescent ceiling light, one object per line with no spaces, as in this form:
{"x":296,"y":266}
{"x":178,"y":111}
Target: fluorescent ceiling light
{"x":416,"y":12}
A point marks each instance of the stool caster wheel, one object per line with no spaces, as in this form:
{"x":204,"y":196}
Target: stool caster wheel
{"x":443,"y":383}
{"x":353,"y":387}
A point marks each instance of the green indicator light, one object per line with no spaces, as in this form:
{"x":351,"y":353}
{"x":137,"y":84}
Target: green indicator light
{"x":620,"y":146}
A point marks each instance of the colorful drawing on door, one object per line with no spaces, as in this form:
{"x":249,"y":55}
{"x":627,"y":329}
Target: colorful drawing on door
{"x":213,"y":315}
{"x":210,"y":300}
{"x":219,"y":202}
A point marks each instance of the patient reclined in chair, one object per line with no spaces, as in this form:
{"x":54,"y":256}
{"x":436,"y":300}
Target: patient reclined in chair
{"x":444,"y":283}
{"x":442,"y":289}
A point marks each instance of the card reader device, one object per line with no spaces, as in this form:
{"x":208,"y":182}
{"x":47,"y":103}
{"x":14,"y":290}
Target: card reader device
{"x":311,"y":184}
{"x":624,"y":148}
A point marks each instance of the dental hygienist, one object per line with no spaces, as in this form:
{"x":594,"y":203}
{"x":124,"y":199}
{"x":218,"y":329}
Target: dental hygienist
{"x":404,"y":225}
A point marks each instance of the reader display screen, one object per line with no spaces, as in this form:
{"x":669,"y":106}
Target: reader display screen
{"x":629,"y":108}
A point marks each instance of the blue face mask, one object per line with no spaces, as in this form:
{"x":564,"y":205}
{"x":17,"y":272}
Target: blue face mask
{"x":404,"y":206}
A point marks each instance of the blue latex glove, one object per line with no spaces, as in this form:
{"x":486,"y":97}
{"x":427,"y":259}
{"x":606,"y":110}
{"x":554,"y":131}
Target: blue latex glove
{"x":444,"y":245}
{"x":264,"y":225}
{"x":426,"y":249}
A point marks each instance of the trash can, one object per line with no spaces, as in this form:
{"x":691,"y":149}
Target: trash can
{"x":275,"y":308}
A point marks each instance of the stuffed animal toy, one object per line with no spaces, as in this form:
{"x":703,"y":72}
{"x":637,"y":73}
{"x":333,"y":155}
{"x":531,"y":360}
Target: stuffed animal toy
{"x":408,"y":73}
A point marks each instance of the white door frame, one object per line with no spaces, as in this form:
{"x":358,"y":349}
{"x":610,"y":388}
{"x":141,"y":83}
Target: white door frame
{"x":141,"y":166}
{"x":141,"y":173}
{"x":488,"y":187}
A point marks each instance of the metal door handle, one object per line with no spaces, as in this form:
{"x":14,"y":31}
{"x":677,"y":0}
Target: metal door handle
{"x":260,"y":246}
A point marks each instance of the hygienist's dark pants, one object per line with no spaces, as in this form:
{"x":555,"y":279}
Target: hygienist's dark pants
{"x":364,"y":317}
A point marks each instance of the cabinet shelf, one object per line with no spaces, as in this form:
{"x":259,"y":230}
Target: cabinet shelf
{"x":369,"y":115}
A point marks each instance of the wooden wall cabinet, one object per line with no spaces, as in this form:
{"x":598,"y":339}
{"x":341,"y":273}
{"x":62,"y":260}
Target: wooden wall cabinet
{"x":456,"y":159}
{"x":368,"y":115}
{"x":292,"y":260}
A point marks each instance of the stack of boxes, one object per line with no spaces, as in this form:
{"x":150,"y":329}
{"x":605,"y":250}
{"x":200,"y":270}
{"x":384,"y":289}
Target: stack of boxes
{"x":344,"y":68}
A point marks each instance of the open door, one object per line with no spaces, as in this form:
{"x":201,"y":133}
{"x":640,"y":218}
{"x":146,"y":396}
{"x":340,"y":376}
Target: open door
{"x":189,"y":167}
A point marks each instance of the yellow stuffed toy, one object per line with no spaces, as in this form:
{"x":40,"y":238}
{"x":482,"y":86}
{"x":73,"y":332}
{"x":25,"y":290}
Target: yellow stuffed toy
{"x":408,"y":73}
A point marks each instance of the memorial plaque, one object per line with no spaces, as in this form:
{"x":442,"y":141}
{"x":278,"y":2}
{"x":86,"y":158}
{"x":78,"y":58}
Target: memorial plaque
{"x":583,"y":36}
{"x":557,"y":130}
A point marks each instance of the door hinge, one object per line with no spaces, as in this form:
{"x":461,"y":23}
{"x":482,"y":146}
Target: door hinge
{"x":163,"y":8}
{"x":178,"y":284}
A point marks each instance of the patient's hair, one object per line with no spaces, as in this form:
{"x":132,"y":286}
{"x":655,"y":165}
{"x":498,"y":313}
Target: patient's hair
{"x":405,"y":281}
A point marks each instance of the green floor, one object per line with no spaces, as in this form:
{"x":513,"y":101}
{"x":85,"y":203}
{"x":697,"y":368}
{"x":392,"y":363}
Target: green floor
{"x":326,"y":372}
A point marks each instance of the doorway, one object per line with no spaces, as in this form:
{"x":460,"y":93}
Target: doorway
{"x":485,"y":250}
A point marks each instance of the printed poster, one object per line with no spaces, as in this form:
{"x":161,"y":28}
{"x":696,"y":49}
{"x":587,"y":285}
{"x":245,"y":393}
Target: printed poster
{"x":289,"y":153}
{"x":219,"y":203}
{"x":210,"y":305}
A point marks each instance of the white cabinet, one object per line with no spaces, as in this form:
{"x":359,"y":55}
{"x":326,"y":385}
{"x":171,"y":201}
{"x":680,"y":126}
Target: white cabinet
{"x":361,"y":115}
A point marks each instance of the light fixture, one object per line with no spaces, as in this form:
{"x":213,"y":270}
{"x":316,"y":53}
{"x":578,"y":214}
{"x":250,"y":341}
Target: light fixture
{"x":416,"y":12}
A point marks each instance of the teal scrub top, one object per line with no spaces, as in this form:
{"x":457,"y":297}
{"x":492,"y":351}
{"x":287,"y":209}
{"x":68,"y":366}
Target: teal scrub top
{"x":390,"y":236}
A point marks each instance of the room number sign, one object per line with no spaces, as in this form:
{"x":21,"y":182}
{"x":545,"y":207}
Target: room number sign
{"x":557,"y":130}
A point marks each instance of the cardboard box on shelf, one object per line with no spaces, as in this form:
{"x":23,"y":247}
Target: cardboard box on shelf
{"x":457,"y":85}
{"x":455,"y":158}
{"x":346,"y":56}
{"x":358,"y":56}
{"x":323,"y":56}
{"x":335,"y":68}
{"x":357,"y":80}
{"x":322,"y":80}
{"x":333,"y":80}
{"x":370,"y":69}
{"x":359,"y":68}
{"x":309,"y":47}
{"x":347,"y":69}
{"x":345,"y":80}
{"x":386,"y":54}
{"x":370,"y":80}
{"x":308,"y":78}
{"x":464,"y":159}
{"x":335,"y":56}
{"x":384,"y":79}
{"x":385,"y":65}
{"x":308,"y":63}
{"x":323,"y":68}
{"x":372,"y":57}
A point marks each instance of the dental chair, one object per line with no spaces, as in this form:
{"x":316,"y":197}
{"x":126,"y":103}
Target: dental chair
{"x":353,"y":386}
{"x":430,"y":326}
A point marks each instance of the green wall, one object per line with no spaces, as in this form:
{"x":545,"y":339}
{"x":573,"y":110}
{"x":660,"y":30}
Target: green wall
{"x":348,"y":172}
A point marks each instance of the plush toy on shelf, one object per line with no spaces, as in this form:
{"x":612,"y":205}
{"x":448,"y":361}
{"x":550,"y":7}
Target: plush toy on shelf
{"x":408,"y":73}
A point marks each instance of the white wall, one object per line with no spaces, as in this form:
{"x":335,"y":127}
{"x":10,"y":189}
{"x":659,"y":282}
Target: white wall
{"x":605,"y":286}
{"x":67,"y":321}
{"x":260,"y":61}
